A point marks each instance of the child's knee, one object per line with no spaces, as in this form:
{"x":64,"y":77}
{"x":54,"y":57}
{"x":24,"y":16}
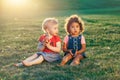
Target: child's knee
{"x":79,"y":57}
{"x":26,"y":63}
{"x":35,"y":55}
{"x":75,"y":63}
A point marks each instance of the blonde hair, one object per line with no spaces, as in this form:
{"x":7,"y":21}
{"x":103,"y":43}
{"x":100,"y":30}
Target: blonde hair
{"x":46,"y":21}
{"x":70,"y":20}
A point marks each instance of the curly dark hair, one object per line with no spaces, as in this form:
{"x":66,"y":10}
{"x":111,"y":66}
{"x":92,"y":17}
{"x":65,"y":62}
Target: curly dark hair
{"x":70,"y":20}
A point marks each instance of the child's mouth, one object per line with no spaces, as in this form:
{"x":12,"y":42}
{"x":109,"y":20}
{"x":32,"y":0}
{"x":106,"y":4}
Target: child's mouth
{"x":75,"y":31}
{"x":55,"y":33}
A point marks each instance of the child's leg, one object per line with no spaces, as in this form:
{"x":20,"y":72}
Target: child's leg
{"x":26,"y":60}
{"x":31,"y":58}
{"x":18,"y":64}
{"x":38,"y":60}
{"x":66,"y":59}
{"x":76,"y":60}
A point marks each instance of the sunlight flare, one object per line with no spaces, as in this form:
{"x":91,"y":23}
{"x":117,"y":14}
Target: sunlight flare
{"x":15,"y":3}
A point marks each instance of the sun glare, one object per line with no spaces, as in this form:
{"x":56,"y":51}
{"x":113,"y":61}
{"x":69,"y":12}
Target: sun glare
{"x":21,"y":7}
{"x":15,"y":3}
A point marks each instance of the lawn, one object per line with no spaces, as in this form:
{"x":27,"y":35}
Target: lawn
{"x":19,"y":39}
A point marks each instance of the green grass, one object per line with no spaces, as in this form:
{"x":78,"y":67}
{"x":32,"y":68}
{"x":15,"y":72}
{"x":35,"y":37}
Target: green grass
{"x":18,"y":40}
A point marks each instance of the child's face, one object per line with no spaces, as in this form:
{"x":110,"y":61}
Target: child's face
{"x":53,"y":29}
{"x":75,"y":28}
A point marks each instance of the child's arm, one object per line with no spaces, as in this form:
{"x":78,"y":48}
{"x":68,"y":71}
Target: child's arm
{"x":42,"y":43}
{"x":41,"y":46}
{"x":83,"y":49}
{"x":55,"y":49}
{"x":65,"y":41}
{"x":65,"y":48}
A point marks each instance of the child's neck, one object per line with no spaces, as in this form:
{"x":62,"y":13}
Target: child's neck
{"x":49,"y":35}
{"x":74,"y":35}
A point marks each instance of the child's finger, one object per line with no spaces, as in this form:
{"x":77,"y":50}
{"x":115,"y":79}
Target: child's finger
{"x":71,"y":52}
{"x":76,"y":53}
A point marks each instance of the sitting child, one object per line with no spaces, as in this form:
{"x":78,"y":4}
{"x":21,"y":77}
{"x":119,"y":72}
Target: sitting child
{"x":49,"y":45}
{"x":74,"y":44}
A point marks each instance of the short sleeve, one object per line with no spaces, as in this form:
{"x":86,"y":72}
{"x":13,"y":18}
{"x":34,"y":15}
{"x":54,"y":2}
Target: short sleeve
{"x":41,"y":38}
{"x":65,"y":39}
{"x":83,"y":40}
{"x":58,"y":39}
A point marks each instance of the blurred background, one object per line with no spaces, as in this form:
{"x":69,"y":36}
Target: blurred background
{"x":38,"y":8}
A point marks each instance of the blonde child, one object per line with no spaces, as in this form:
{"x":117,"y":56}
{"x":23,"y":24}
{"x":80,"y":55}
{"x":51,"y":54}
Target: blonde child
{"x":48,"y":47}
{"x":74,"y":44}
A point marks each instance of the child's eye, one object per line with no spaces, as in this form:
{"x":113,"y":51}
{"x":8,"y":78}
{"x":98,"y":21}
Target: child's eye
{"x":77,"y":26}
{"x":55,"y":28}
{"x":72,"y":26}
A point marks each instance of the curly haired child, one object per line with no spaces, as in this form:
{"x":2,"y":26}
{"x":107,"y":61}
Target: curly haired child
{"x":49,"y":45}
{"x":74,"y":44}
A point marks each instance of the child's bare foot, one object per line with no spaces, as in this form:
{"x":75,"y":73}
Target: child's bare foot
{"x":62,"y":63}
{"x":59,"y":65}
{"x":74,"y":63}
{"x":18,"y":64}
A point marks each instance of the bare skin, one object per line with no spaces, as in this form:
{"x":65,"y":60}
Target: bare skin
{"x":51,"y":30}
{"x":74,"y":31}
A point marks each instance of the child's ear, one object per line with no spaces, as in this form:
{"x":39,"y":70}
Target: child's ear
{"x":47,"y":31}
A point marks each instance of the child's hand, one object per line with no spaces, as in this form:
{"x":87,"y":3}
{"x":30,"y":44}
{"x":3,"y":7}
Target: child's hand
{"x":70,"y":51}
{"x":76,"y":53}
{"x":47,"y":44}
{"x":46,"y":40}
{"x":44,"y":43}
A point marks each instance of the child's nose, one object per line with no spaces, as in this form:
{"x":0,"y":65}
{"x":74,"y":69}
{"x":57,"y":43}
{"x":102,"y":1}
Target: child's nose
{"x":75,"y":28}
